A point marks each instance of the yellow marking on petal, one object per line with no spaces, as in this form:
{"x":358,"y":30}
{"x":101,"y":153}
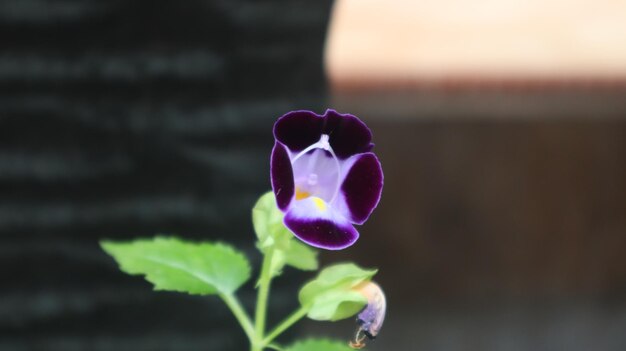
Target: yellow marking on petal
{"x":301,"y":195}
{"x":319,"y":203}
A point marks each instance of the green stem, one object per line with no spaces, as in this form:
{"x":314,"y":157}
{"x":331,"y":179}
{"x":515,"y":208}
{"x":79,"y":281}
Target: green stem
{"x":284,"y":325}
{"x":235,"y":306}
{"x":265,"y":281}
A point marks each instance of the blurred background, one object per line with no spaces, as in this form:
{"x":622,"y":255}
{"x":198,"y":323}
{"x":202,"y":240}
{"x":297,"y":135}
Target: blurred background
{"x":501,"y":126}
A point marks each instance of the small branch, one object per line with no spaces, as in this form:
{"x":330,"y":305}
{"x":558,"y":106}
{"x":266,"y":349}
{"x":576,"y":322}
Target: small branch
{"x":284,"y":325}
{"x":242,"y":317}
{"x":265,"y":281}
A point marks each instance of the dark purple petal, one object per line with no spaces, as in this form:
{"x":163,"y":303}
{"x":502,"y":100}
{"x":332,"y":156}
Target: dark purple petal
{"x":298,"y":129}
{"x":282,"y":176}
{"x":363,"y":186}
{"x":348,"y":135}
{"x":322,"y":233}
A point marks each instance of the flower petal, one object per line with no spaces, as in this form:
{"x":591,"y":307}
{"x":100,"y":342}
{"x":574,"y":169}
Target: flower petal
{"x":362,"y":187}
{"x":315,"y":223}
{"x":282,"y":176}
{"x":316,"y":172}
{"x":348,"y":134}
{"x":298,"y":129}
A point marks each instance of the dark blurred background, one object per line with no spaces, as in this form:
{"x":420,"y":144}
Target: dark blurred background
{"x":502,"y":224}
{"x":122,"y":119}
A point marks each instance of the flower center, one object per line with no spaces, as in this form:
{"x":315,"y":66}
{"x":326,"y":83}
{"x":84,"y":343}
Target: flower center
{"x":316,"y":173}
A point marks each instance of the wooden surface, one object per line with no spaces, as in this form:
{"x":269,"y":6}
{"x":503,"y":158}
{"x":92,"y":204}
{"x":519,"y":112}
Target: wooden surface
{"x":391,"y":41}
{"x":498,"y":234}
{"x":521,"y":209}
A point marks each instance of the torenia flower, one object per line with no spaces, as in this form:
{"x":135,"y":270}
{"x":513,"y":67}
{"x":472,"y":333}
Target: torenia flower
{"x":324,"y":176}
{"x":371,"y":318}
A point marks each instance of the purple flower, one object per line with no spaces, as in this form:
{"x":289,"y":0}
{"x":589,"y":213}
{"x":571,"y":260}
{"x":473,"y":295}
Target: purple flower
{"x":324,"y":176}
{"x":370,"y":319}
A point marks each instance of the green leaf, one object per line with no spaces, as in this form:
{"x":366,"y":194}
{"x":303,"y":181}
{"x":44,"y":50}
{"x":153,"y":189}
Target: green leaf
{"x":331,"y":296}
{"x":172,"y":264}
{"x":267,"y":220}
{"x":342,"y":276}
{"x":336,"y":305}
{"x":301,"y":256}
{"x":319,"y":345}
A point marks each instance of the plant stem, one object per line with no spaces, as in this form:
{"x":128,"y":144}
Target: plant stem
{"x":265,"y":281}
{"x":284,"y":325}
{"x":235,"y":306}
